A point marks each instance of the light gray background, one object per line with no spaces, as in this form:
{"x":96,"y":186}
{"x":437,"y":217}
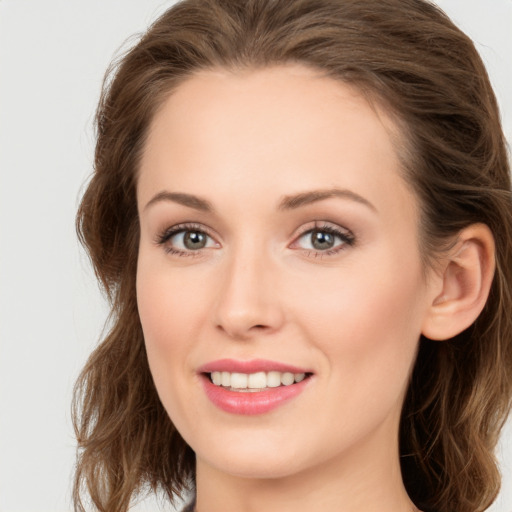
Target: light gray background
{"x":53,"y":54}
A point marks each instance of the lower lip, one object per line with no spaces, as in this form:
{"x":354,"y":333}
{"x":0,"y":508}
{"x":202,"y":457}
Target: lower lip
{"x":251,"y":403}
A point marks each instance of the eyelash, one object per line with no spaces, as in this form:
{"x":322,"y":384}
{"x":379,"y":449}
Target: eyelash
{"x":167,"y":234}
{"x":345,"y":235}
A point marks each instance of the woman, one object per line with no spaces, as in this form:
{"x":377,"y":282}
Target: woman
{"x":301,"y":213}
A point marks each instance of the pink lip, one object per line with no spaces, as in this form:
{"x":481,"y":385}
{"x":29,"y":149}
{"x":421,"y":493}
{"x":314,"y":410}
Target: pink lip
{"x":247,"y":403}
{"x":252,"y":366}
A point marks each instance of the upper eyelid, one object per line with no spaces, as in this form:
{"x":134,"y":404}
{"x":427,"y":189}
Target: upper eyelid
{"x":185,"y":226}
{"x":321,"y":225}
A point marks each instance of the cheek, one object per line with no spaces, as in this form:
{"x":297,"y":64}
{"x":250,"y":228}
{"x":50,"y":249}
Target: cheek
{"x":367,"y":321}
{"x":171,"y":304}
{"x":366,"y":329}
{"x":171,"y":311}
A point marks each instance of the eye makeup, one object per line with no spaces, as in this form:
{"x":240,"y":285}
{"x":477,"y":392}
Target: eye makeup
{"x":316,"y":239}
{"x":186,"y":239}
{"x":323,"y":239}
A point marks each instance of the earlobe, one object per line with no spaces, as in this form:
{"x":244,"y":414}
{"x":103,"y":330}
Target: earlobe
{"x":463,"y":285}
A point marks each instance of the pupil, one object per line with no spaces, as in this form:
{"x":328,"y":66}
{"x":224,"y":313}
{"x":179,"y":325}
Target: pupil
{"x":322,"y":240}
{"x":194,"y":240}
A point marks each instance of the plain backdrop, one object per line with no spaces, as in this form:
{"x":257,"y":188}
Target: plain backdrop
{"x":53,"y":54}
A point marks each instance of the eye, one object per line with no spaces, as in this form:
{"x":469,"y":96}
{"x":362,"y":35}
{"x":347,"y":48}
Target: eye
{"x":185,"y":240}
{"x":189,"y":240}
{"x":324,"y":239}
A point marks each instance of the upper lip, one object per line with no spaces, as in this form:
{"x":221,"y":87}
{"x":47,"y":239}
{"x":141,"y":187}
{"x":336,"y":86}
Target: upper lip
{"x":251,"y":366}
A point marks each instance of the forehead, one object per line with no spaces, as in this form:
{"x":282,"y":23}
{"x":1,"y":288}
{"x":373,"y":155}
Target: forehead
{"x":280,"y":130}
{"x":268,"y":103}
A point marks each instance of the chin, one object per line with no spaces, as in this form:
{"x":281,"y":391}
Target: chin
{"x":256,"y":466}
{"x":250,"y":454}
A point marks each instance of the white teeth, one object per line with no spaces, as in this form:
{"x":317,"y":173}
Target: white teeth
{"x":239,"y":380}
{"x":273,"y":379}
{"x":287,"y":378}
{"x":255,"y":381}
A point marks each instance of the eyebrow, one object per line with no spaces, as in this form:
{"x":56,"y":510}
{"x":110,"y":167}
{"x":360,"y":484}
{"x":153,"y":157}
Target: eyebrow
{"x":181,"y":198}
{"x":287,"y":203}
{"x":313,"y":196}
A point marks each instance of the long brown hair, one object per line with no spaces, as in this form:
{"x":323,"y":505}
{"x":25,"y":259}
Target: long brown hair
{"x":406,"y":55}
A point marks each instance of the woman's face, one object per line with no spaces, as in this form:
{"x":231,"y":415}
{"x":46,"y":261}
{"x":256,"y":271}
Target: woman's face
{"x":278,"y":243}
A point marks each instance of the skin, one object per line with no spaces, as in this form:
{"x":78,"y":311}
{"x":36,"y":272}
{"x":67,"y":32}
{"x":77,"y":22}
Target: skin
{"x":243,"y":141}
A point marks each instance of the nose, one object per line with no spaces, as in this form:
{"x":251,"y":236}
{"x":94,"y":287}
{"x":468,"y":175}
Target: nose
{"x":248,"y":303}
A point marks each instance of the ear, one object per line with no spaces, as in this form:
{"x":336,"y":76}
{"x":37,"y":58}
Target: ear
{"x":461,"y":288}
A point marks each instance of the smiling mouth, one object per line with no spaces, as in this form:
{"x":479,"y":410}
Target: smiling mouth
{"x":255,"y":382}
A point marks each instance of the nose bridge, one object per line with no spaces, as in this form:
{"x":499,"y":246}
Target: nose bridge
{"x":247,"y":300}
